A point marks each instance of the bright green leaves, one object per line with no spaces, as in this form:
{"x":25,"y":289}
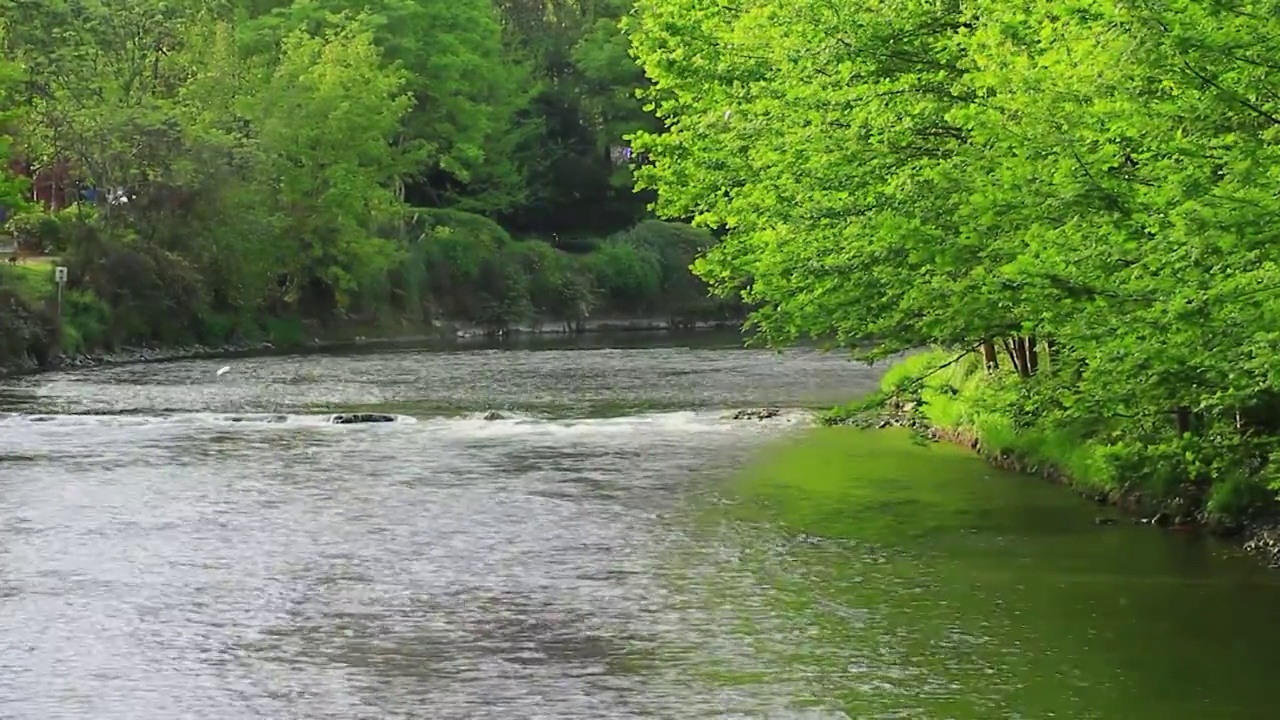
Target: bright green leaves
{"x":818,"y":139}
{"x":12,"y":189}
{"x":450,"y":51}
{"x":261,"y":164}
{"x":104,"y":92}
{"x":1095,"y":172}
{"x":327,"y":120}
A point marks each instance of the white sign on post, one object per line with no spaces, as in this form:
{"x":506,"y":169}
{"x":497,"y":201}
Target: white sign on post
{"x":60,"y":276}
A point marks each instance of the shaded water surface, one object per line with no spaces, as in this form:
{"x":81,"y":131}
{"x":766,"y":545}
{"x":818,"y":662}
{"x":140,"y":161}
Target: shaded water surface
{"x":177,"y":544}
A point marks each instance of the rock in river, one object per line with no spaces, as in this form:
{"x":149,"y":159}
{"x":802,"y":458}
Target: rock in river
{"x":359,"y":418}
{"x":757,"y":414}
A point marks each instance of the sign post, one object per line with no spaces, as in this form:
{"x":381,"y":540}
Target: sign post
{"x":60,"y":277}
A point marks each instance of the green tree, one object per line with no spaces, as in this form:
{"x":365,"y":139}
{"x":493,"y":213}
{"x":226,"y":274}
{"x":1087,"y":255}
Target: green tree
{"x":1083,"y":183}
{"x":584,"y":104}
{"x":327,"y":121}
{"x":12,"y":188}
{"x":466,"y":90}
{"x":821,"y":141}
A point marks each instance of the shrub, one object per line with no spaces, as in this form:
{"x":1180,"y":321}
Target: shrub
{"x":458,"y":252}
{"x":220,"y":327}
{"x":33,"y":281}
{"x":86,"y":321}
{"x":285,"y":331}
{"x":559,"y":285}
{"x":48,"y":233}
{"x":629,"y":275}
{"x":680,"y":292}
{"x":464,"y":266}
{"x":35,"y":232}
{"x":155,"y":295}
{"x":25,"y":330}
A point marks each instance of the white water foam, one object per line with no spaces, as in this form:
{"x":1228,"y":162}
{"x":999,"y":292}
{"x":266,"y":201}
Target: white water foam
{"x":509,"y":424}
{"x":664,"y":423}
{"x":101,"y":420}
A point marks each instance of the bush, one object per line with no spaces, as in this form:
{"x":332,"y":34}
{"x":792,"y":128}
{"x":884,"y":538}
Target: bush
{"x":285,"y":331}
{"x":1009,"y":415}
{"x":220,"y":327}
{"x":679,"y":293}
{"x":463,"y":266}
{"x":35,"y":232}
{"x":677,"y":245}
{"x":25,"y":330}
{"x":465,"y":274}
{"x":467,"y":267}
{"x":86,"y":321}
{"x":155,"y":295}
{"x":629,"y":275}
{"x":1234,"y":498}
{"x":559,"y":285}
{"x":125,"y":289}
{"x":46,"y":233}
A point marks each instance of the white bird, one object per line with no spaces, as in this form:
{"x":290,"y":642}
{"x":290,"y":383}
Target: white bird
{"x":224,"y":371}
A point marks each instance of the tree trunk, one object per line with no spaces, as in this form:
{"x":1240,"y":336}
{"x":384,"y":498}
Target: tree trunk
{"x":1182,"y":420}
{"x":1008,"y":350}
{"x":1033,"y":357}
{"x":1021,"y":354}
{"x":989,"y":357}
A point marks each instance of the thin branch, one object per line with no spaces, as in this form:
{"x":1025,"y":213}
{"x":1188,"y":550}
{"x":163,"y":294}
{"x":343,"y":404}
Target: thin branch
{"x":916,"y":382}
{"x":1260,"y":112}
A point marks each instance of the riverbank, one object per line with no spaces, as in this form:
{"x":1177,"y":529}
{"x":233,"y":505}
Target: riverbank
{"x":463,"y":276}
{"x":942,"y":398}
{"x":356,"y":337}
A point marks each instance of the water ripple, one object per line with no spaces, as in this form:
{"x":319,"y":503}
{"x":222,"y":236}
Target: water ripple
{"x":175,"y":544}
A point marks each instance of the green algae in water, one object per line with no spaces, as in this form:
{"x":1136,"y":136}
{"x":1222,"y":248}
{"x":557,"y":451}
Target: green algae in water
{"x":880,"y":578}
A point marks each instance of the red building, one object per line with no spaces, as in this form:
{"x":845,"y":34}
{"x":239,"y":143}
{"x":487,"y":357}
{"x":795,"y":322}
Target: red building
{"x":53,"y":186}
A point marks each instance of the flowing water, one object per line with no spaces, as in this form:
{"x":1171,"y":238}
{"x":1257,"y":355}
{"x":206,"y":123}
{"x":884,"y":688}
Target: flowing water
{"x":178,"y":544}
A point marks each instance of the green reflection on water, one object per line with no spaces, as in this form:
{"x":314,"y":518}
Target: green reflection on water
{"x":885,"y":579}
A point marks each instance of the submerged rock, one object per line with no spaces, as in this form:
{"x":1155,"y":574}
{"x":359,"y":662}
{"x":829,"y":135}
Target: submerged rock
{"x":757,"y":414}
{"x":360,"y":418}
{"x":258,"y":418}
{"x":494,"y":415}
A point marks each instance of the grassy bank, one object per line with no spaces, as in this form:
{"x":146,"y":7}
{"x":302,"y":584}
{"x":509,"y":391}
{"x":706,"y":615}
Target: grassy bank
{"x":951,"y":396}
{"x":450,"y":270}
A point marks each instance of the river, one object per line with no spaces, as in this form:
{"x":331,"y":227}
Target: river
{"x":179,"y":544}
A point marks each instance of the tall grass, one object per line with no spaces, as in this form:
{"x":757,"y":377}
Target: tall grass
{"x":33,"y":281}
{"x":960,"y":397}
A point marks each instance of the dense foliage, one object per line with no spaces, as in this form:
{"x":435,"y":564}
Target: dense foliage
{"x":214,"y":169}
{"x":1084,"y":193}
